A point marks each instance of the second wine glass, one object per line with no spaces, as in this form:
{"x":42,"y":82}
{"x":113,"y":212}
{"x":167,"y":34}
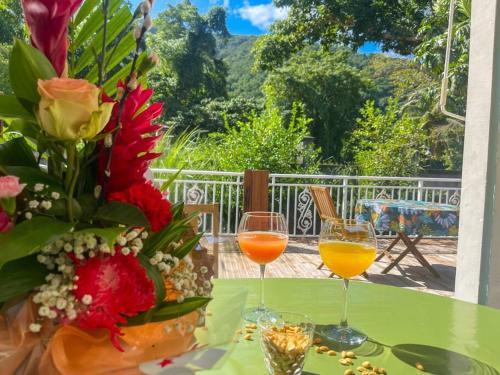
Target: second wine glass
{"x":262,"y":237}
{"x":348,"y":248}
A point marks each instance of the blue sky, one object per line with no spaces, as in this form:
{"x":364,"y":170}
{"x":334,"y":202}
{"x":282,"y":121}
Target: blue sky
{"x":245,"y":17}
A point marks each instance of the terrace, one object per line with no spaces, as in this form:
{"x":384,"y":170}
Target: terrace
{"x":289,"y":194}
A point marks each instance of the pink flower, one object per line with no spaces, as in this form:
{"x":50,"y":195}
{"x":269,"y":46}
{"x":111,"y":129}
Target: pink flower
{"x":5,"y":223}
{"x":10,"y":187}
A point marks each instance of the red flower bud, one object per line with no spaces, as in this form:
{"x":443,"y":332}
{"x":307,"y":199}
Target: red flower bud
{"x":48,"y":23}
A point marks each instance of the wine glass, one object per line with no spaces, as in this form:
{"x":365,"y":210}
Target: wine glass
{"x":348,"y":248}
{"x":262,"y":237}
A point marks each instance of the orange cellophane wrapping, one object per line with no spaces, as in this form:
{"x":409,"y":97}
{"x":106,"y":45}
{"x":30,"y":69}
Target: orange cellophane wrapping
{"x":69,"y":350}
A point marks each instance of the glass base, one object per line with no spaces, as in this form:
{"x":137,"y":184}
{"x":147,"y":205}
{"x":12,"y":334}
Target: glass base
{"x":252,"y":314}
{"x":346,"y":336}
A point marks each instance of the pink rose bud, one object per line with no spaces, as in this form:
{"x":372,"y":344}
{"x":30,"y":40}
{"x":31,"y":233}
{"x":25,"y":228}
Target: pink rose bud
{"x":10,"y":187}
{"x":5,"y":223}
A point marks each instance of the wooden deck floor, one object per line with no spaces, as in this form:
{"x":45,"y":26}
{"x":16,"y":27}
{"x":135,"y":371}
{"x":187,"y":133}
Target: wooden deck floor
{"x":301,"y":260}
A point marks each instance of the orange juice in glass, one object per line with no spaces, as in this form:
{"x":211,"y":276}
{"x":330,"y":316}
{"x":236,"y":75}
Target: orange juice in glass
{"x":348,"y":248}
{"x":262,"y":237}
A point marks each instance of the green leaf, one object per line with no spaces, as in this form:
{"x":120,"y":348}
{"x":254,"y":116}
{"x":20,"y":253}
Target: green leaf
{"x":169,"y":311}
{"x":26,"y":66}
{"x":155,"y":276}
{"x":93,"y":23}
{"x":170,"y":180}
{"x":187,"y":246}
{"x":178,"y":210}
{"x":173,"y":310}
{"x":17,"y":152}
{"x":123,"y":50}
{"x":114,"y":27}
{"x":11,"y":108}
{"x":21,"y":276}
{"x":30,"y":236}
{"x":110,"y":84}
{"x":84,"y":11}
{"x":122,"y":213}
{"x":108,"y":234}
{"x":32,"y":176}
{"x":26,"y":128}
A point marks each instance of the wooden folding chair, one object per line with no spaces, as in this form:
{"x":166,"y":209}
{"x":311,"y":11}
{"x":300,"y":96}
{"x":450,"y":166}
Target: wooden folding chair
{"x":213,"y":210}
{"x":326,"y":208}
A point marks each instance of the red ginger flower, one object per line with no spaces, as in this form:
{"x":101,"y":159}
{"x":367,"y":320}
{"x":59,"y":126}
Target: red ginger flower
{"x":132,"y":148}
{"x":119,"y":288}
{"x":150,"y":200}
{"x":48,"y":23}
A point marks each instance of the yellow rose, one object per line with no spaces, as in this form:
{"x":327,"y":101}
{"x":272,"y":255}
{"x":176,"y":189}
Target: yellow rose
{"x":69,"y":109}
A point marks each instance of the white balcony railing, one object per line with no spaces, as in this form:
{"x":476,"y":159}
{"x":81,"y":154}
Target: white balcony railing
{"x":288,"y":194}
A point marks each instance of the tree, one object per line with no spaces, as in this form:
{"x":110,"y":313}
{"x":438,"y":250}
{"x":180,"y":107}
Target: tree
{"x":387,"y":144}
{"x":11,"y":21}
{"x":189,"y":67}
{"x":264,"y":141}
{"x":330,"y":89}
{"x":211,"y":115}
{"x":242,"y":80}
{"x":391,"y":23}
{"x":4,"y":69}
{"x":431,"y":51}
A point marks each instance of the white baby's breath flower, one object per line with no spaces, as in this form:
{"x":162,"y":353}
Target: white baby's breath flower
{"x":33,"y":203}
{"x":28,"y":215}
{"x":61,"y":303}
{"x":46,"y":205}
{"x":87,"y":299}
{"x":125,"y":251}
{"x":43,"y":311}
{"x":35,"y":327}
{"x":120,"y":240}
{"x":38,"y":187}
{"x":55,"y":195}
{"x":68,"y":247}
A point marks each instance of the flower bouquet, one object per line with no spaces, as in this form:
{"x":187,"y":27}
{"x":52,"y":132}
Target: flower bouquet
{"x":95,"y":267}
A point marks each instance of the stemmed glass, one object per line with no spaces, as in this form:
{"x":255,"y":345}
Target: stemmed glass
{"x":348,"y":248}
{"x":262,"y":237}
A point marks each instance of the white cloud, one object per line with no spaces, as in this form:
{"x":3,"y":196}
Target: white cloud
{"x":224,"y":3}
{"x":262,"y":15}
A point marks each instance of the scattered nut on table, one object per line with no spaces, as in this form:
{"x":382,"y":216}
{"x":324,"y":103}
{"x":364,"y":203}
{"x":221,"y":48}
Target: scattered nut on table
{"x":366,"y":364}
{"x":348,"y":372}
{"x":248,"y":337}
{"x":331,"y":353}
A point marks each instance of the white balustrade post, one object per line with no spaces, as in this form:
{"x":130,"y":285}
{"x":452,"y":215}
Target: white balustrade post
{"x":420,"y":191}
{"x":345,"y":192}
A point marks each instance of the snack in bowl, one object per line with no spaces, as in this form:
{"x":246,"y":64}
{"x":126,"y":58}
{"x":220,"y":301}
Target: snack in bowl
{"x":285,"y":341}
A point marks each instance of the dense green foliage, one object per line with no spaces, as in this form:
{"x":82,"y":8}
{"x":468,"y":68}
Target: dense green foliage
{"x":242,"y":80}
{"x":386,"y":144}
{"x":263,"y":141}
{"x":331,"y":90}
{"x":11,"y":21}
{"x":4,"y":69}
{"x":393,"y":24}
{"x":190,"y":69}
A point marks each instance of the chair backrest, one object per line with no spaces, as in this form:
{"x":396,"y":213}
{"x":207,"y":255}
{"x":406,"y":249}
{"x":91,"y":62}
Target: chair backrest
{"x":212,"y":209}
{"x":323,"y":202}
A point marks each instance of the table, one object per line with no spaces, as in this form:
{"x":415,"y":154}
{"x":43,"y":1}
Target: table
{"x":447,"y":336}
{"x":409,"y":218}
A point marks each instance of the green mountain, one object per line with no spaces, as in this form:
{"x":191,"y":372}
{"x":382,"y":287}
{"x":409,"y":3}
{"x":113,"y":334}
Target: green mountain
{"x":241,"y":79}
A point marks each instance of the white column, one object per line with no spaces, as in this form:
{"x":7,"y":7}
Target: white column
{"x":478,"y":259}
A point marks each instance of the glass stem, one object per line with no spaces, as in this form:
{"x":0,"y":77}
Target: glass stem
{"x":343,"y":321}
{"x":262,"y":271}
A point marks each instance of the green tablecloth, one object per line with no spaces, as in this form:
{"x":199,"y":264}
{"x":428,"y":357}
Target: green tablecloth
{"x":447,"y":336}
